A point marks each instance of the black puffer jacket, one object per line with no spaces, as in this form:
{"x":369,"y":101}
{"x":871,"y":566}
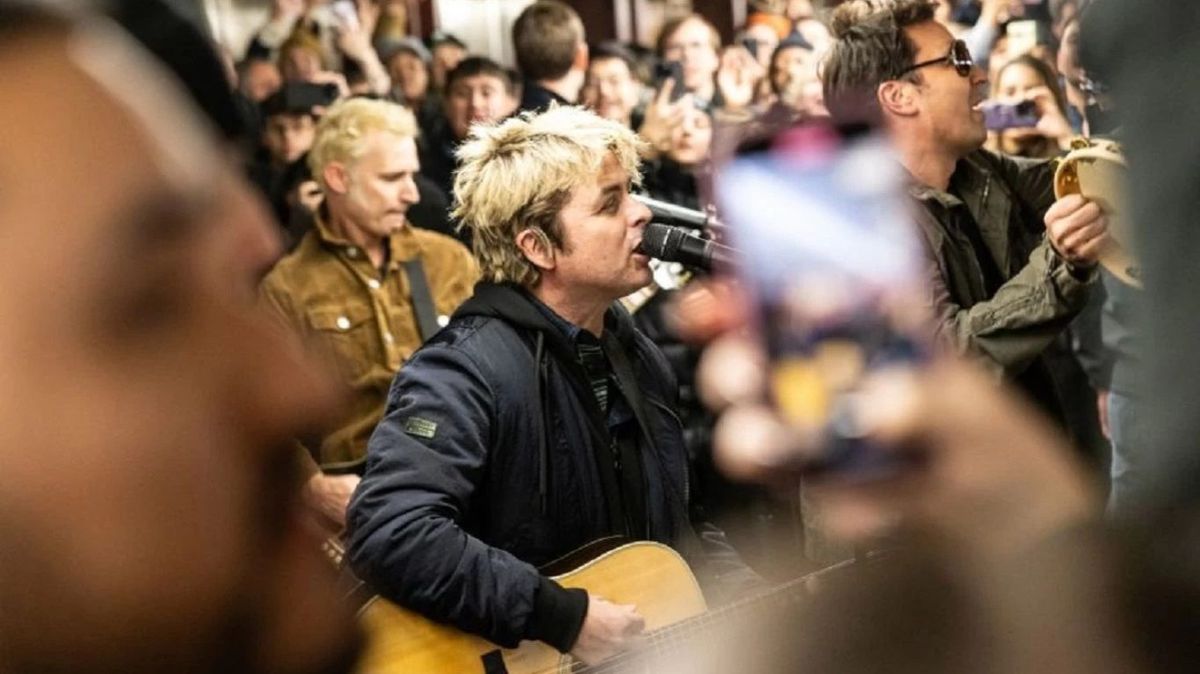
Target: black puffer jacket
{"x":485,"y":465}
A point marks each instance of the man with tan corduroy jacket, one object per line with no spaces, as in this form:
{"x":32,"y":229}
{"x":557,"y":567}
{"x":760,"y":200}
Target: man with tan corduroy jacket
{"x":365,"y":286}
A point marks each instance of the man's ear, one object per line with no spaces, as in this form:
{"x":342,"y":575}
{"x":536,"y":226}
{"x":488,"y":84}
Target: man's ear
{"x":337,"y":179}
{"x":536,"y":247}
{"x":898,"y":97}
{"x":581,"y":57}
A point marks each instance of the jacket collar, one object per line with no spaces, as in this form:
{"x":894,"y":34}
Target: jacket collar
{"x":975,"y":186}
{"x":402,"y":245}
{"x":516,"y":305}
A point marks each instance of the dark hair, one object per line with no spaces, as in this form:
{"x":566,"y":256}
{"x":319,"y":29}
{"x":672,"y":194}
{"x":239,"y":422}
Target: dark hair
{"x":870,"y":47}
{"x":669,"y":28}
{"x":611,"y":50}
{"x":473,"y":66}
{"x":546,"y":36}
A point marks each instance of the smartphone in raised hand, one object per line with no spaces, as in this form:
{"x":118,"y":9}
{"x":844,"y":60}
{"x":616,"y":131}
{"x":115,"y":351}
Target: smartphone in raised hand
{"x":999,"y":116}
{"x":673,"y":71}
{"x":832,"y":260}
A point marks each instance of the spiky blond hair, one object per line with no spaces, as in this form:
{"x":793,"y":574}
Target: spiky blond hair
{"x":341,"y":131}
{"x":518,"y":175}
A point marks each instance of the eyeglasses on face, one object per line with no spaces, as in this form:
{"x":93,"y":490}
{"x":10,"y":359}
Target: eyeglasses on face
{"x":959,"y":57}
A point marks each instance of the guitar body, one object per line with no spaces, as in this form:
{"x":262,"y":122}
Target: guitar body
{"x":649,"y":575}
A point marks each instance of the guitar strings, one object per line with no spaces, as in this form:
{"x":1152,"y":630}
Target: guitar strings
{"x":673,"y":637}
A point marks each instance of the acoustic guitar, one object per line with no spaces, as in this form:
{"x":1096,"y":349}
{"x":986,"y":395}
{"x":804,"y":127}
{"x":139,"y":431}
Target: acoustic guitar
{"x":649,"y":575}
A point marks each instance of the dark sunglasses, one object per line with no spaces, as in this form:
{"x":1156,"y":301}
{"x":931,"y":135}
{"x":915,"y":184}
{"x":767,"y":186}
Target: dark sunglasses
{"x":959,"y":57}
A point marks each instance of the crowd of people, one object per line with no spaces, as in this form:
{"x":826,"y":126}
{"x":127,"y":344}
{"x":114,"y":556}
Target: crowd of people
{"x":403,"y":304}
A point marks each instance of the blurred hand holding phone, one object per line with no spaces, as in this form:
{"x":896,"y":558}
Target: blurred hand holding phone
{"x":671,"y":103}
{"x":670,"y":73}
{"x":833,"y":263}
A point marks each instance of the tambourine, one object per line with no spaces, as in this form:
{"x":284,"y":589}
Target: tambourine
{"x":1096,"y":169}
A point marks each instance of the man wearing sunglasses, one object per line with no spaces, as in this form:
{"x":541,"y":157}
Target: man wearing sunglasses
{"x":1010,"y":266}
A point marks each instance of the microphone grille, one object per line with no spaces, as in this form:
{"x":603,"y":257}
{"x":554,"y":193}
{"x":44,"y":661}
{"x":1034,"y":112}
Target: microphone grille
{"x":655,"y":240}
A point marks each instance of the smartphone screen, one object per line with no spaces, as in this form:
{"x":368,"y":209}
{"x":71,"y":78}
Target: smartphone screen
{"x":835,"y":268}
{"x":1022,"y":37}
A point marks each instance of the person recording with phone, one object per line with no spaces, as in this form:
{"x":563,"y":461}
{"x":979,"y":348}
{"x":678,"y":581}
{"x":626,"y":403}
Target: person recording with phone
{"x":1027,"y":116}
{"x":290,"y":122}
{"x":693,"y":43}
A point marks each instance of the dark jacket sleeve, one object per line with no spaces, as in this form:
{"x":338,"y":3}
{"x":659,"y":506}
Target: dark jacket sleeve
{"x":404,"y":522}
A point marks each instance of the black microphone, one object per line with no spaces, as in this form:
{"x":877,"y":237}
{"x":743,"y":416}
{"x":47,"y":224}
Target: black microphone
{"x":677,"y":215}
{"x":676,"y":244}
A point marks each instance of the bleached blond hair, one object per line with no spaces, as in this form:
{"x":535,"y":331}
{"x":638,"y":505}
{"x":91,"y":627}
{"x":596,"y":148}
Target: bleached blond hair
{"x":520,"y":173}
{"x":344,"y":126}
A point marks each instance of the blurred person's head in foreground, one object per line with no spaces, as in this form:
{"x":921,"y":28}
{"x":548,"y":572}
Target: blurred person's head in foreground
{"x":478,"y":91}
{"x":613,"y":89}
{"x":547,"y":198}
{"x":447,"y":51}
{"x":162,"y":514}
{"x":365,"y":158}
{"x":894,"y":62}
{"x":695,"y":44}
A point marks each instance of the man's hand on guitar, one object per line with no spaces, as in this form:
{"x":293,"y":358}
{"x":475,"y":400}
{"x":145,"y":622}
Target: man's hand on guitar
{"x":608,"y":629}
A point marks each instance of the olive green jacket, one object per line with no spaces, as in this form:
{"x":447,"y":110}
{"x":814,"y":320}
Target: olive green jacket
{"x":1010,"y":329}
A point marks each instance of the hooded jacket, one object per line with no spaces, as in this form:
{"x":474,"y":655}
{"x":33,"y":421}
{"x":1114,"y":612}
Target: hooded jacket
{"x":489,"y":463}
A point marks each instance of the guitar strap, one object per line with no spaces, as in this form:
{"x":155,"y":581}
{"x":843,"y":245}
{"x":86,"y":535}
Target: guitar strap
{"x":422,"y":299}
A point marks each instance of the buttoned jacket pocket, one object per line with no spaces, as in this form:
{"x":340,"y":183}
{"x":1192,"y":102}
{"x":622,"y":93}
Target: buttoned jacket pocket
{"x":348,"y":332}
